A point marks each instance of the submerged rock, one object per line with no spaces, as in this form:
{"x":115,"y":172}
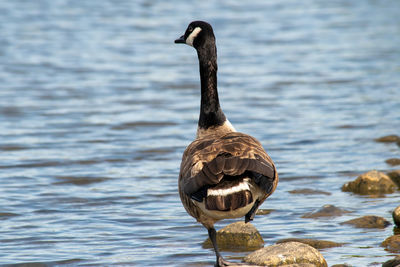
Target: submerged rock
{"x":396,"y":216}
{"x":395,"y":176}
{"x":392,"y":243}
{"x":396,"y":230}
{"x":238,"y":236}
{"x":388,"y":139}
{"x":307,"y":191}
{"x":263,"y":211}
{"x":317,"y":244}
{"x":372,"y":182}
{"x":368,"y":222}
{"x":393,"y":161}
{"x":392,"y":263}
{"x":287,"y":254}
{"x":325,"y":211}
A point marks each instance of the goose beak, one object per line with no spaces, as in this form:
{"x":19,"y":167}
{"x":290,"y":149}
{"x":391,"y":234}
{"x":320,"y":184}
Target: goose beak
{"x":180,"y":40}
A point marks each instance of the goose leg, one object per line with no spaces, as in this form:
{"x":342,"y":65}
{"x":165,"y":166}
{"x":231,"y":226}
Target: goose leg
{"x":250,"y":215}
{"x":213,"y":237}
{"x":220,"y":260}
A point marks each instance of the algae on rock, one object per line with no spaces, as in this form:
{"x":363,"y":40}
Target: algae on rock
{"x":368,"y":222}
{"x":238,"y":236}
{"x":372,"y":182}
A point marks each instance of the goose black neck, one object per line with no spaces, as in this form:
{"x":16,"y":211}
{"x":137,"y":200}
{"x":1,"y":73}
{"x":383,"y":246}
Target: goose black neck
{"x":210,"y":111}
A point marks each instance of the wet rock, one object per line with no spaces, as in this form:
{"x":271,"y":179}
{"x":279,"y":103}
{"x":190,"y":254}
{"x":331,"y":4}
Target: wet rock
{"x":392,"y":243}
{"x":388,"y":139}
{"x":395,"y":176}
{"x":238,"y":236}
{"x":393,"y":161}
{"x":307,"y":191}
{"x":263,"y":211}
{"x":6,"y":215}
{"x":368,"y":222}
{"x":295,"y":265}
{"x":396,"y":230}
{"x":372,"y":182}
{"x":325,"y":211}
{"x":317,"y":244}
{"x":287,"y":254}
{"x":392,"y":263}
{"x":396,"y":216}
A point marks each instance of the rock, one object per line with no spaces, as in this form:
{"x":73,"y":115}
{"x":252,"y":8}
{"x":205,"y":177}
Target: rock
{"x":368,"y":222}
{"x":396,"y":216}
{"x":388,"y":139}
{"x":392,"y":243}
{"x":263,"y":211}
{"x":287,"y":254}
{"x":396,"y":230}
{"x":294,"y":265}
{"x":395,"y":176}
{"x":372,"y":182}
{"x":306,"y":191}
{"x":393,"y":161}
{"x":325,"y":211}
{"x":238,"y":236}
{"x":317,"y":244}
{"x":392,"y":263}
{"x":341,"y":265}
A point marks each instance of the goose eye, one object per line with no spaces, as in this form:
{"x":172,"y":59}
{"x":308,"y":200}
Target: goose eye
{"x":190,"y":29}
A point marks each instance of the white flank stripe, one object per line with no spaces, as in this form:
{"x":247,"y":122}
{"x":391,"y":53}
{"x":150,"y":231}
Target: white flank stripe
{"x":190,"y":38}
{"x":223,"y":192}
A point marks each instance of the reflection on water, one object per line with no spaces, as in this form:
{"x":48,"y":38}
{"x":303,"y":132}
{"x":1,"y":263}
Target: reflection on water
{"x":97,"y":105}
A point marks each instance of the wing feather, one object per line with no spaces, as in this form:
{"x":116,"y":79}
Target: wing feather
{"x":231,"y":154}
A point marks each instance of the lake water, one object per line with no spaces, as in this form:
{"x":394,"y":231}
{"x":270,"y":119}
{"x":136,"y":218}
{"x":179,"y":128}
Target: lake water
{"x":97,"y":105}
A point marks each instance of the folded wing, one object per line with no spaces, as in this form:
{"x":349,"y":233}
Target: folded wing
{"x":207,"y":161}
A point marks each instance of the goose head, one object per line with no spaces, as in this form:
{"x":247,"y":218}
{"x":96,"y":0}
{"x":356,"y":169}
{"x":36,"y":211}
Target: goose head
{"x":197,"y":34}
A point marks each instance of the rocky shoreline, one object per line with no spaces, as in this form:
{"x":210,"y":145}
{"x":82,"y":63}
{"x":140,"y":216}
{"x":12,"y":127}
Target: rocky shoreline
{"x":303,"y":252}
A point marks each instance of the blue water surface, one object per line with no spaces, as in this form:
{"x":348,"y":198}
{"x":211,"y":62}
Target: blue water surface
{"x":97,"y":105}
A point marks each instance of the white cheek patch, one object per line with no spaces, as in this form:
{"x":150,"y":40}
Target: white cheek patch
{"x":190,"y":38}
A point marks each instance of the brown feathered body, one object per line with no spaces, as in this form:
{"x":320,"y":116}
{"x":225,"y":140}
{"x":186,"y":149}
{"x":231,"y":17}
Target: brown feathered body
{"x":225,"y":175}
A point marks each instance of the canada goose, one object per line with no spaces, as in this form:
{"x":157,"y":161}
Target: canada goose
{"x":224,"y":174}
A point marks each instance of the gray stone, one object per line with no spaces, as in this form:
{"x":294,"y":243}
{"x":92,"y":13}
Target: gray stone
{"x":315,"y":243}
{"x":325,"y":211}
{"x":392,"y":243}
{"x":396,"y":216}
{"x":372,"y":182}
{"x":238,"y":236}
{"x":287,"y":254}
{"x":368,"y":222}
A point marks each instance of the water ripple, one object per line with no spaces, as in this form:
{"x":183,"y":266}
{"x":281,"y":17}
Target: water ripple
{"x":97,"y":105}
